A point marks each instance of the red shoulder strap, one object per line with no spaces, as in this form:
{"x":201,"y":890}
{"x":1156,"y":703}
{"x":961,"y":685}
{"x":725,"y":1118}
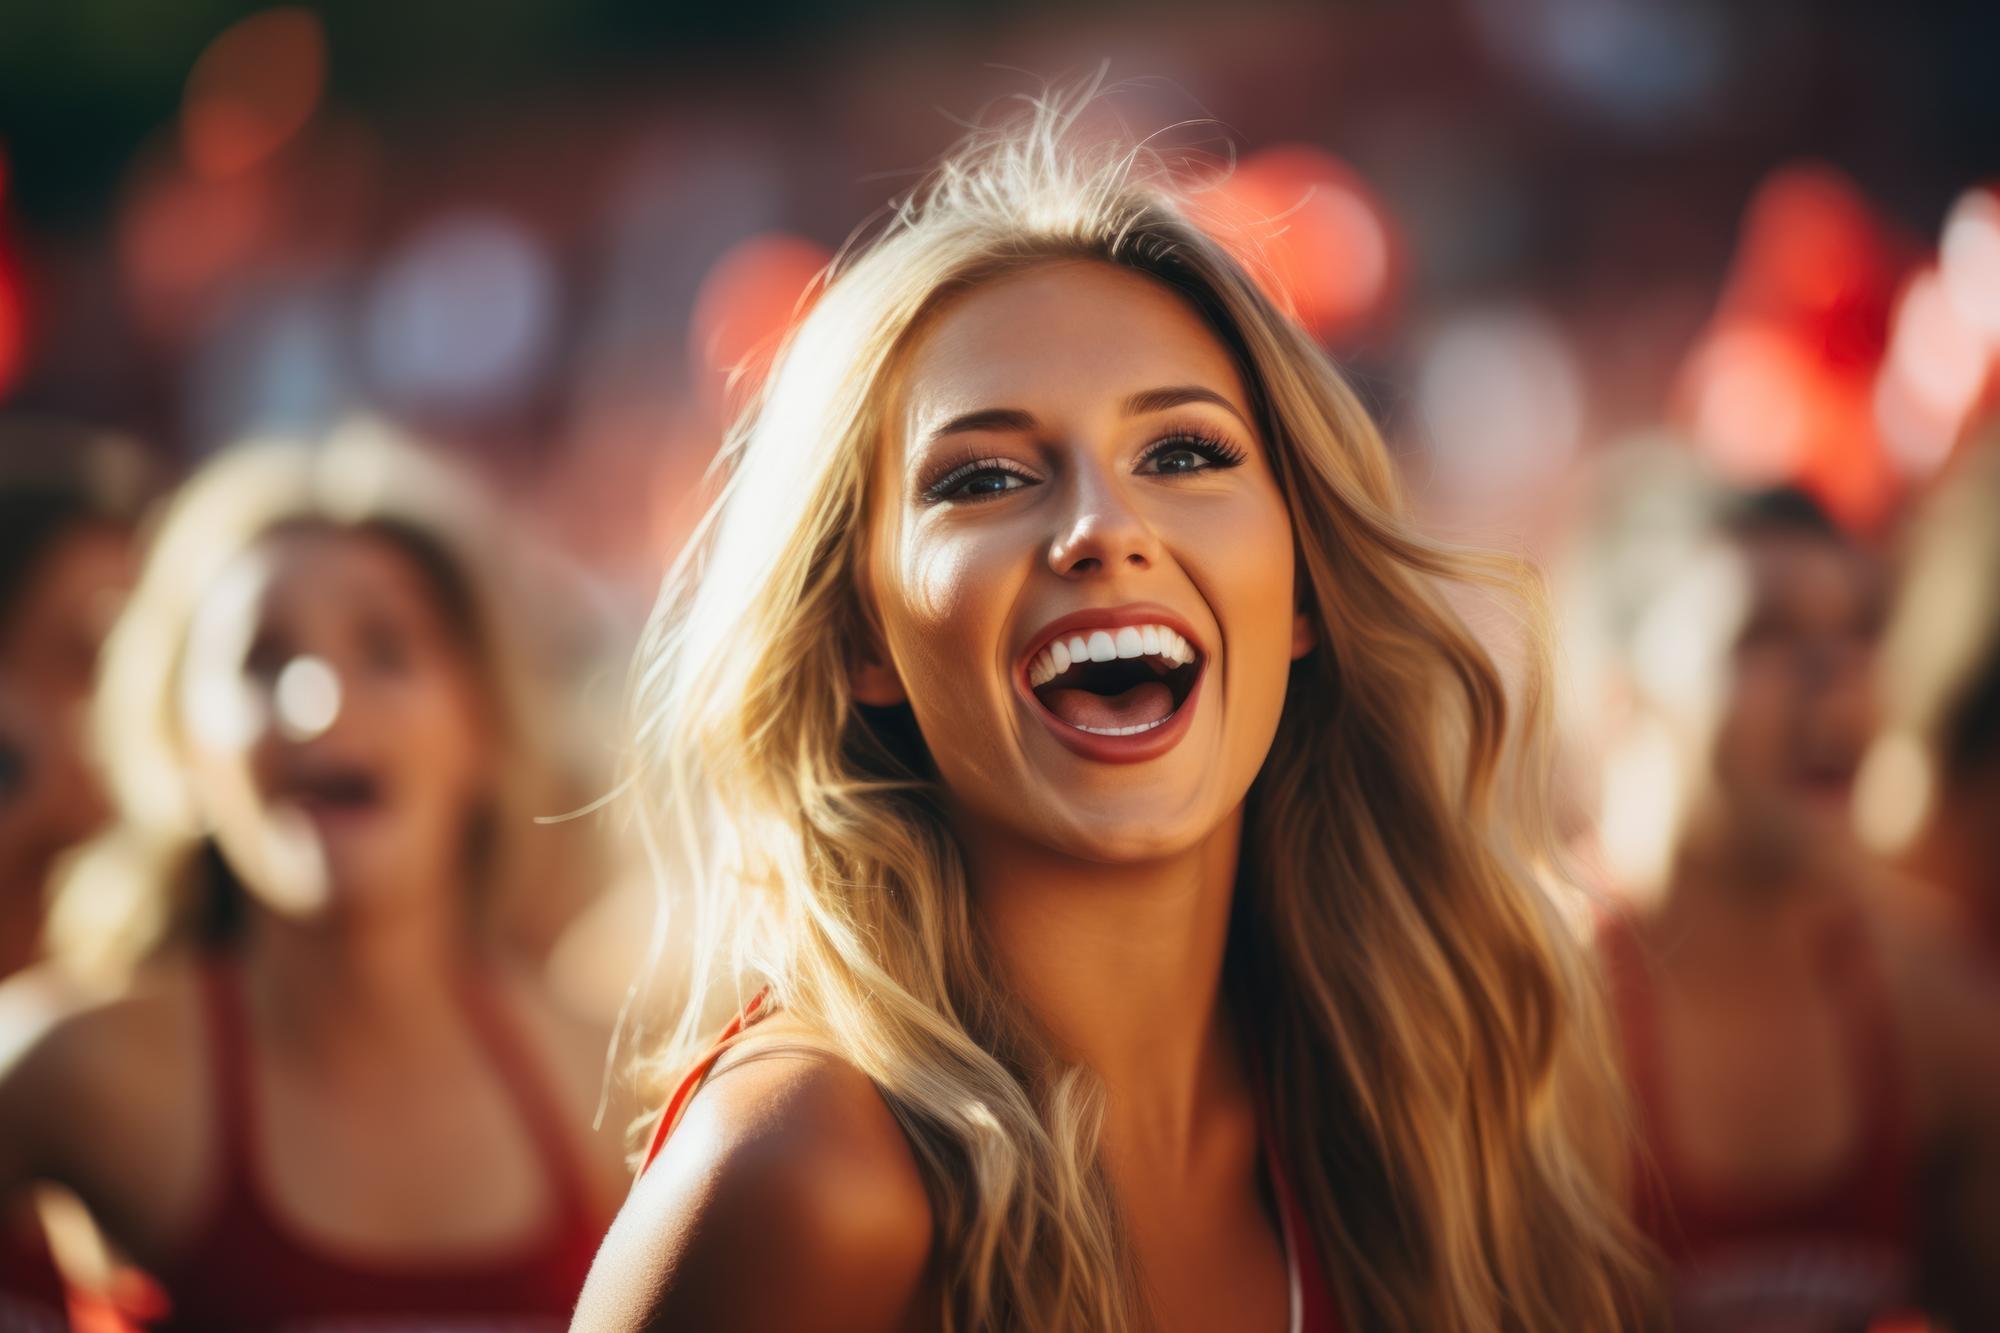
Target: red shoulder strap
{"x":1317,"y":1310}
{"x":698,"y":1072}
{"x":528,"y":1082}
{"x":1878,"y":1073}
{"x":229,"y":1056}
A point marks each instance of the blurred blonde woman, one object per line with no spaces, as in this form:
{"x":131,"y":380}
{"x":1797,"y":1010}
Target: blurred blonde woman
{"x":1111,"y":831}
{"x":318,"y":1093}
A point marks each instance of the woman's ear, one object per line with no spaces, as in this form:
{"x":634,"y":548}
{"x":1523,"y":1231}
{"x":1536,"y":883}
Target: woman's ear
{"x":1304,"y":636}
{"x":873,"y":678}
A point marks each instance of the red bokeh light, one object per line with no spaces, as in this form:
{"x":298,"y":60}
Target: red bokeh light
{"x":13,"y":323}
{"x":1311,"y":231}
{"x":1781,"y":388}
{"x":750,"y":299}
{"x":13,"y":301}
{"x":252,"y":90}
{"x":180,"y":235}
{"x":1755,"y":402}
{"x":1815,"y":257}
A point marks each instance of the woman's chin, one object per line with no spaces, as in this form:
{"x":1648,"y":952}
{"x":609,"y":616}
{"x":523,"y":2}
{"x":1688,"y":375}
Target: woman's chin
{"x":1131,"y":827}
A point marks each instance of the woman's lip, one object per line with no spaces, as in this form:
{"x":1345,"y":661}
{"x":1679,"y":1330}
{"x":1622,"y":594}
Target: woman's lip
{"x":1132,"y":749}
{"x":340,"y":816}
{"x":1112,"y":618}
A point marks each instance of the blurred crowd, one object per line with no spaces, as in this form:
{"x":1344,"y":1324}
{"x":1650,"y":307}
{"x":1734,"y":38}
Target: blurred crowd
{"x":316,"y":939}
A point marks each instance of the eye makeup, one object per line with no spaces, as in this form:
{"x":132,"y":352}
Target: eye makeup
{"x":970,"y":465}
{"x":1219,"y":452}
{"x":973,"y":476}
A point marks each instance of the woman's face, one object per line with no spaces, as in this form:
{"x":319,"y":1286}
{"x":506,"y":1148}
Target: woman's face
{"x":1801,"y":707}
{"x":338,"y":733}
{"x":1082,"y":564}
{"x":48,"y":661}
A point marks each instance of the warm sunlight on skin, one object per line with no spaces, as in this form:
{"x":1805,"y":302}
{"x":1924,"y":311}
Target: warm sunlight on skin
{"x":1058,"y":602}
{"x":1073,"y":439}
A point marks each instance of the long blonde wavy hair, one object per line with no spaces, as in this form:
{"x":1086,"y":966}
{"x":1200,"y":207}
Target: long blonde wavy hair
{"x":1427,"y":1025}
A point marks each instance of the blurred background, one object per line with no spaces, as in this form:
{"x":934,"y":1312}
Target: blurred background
{"x":1597,"y":265}
{"x":534,"y":235}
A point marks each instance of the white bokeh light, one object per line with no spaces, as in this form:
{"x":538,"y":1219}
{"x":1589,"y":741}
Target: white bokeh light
{"x":307,"y":698}
{"x":463,"y":316}
{"x":1969,"y":256}
{"x":1502,"y":400}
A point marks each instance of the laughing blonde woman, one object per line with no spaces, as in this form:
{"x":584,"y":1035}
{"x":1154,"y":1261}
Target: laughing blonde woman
{"x":1115,"y":841}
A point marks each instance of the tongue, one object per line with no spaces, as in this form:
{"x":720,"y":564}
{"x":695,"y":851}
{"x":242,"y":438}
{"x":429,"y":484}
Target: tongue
{"x":1148,"y":701}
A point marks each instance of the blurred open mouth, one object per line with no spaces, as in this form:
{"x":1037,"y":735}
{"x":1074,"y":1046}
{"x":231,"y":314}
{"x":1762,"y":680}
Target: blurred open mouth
{"x":1115,"y":692}
{"x":337,"y":793}
{"x":1829,"y":782}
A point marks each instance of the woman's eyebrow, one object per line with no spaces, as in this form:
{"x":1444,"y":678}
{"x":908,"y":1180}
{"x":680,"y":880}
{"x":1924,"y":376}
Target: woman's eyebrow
{"x":1146,"y":400}
{"x":1175,"y":395}
{"x":988,"y":418}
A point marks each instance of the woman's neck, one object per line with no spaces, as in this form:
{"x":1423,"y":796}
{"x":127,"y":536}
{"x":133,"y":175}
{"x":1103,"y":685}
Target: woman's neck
{"x":1122,"y":966}
{"x":1746,"y":915}
{"x":359,"y":982}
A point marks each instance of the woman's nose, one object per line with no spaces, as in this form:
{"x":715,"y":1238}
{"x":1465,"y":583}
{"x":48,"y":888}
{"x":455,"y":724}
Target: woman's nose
{"x":1101,"y":531}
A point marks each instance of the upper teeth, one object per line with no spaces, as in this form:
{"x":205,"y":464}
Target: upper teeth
{"x":1102,"y":645}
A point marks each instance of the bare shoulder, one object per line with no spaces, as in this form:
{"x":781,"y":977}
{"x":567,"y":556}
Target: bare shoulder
{"x":74,"y":1069}
{"x":787,"y":1197}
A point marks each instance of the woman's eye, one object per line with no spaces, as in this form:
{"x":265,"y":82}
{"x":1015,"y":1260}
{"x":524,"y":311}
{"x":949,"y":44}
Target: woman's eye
{"x":988,"y":483}
{"x":977,"y":481}
{"x":1190,"y":453}
{"x":1178,"y":460}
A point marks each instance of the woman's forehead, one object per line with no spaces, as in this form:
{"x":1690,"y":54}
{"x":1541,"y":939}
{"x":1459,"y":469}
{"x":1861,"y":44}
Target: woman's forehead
{"x":1063,"y":337}
{"x":313,"y":567}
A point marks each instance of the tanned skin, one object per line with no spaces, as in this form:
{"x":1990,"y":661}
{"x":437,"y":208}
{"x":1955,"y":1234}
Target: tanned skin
{"x":789,"y":1197}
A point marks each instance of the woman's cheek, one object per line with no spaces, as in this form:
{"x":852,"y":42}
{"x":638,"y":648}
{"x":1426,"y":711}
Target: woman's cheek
{"x":1241,"y":559}
{"x":954,"y":593}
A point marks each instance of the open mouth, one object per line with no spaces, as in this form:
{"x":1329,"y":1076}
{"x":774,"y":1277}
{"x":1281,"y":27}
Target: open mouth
{"x":337,"y":791}
{"x":1827,"y":781}
{"x":1122,"y":682}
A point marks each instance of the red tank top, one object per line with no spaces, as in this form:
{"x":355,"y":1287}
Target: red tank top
{"x":31,"y":1293}
{"x":245,"y":1270}
{"x":1837,"y":1256}
{"x":1313,"y":1307}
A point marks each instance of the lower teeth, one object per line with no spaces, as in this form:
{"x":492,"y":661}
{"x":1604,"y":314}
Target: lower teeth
{"x":1122,"y":731}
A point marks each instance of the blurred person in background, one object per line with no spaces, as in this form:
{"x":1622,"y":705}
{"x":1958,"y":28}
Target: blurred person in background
{"x":1772,"y":1045}
{"x":322,"y":1095}
{"x":1064,"y":732}
{"x":69,"y":499}
{"x":1931,"y":797}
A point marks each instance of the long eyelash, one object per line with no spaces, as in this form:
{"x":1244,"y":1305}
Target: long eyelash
{"x":1220,"y":452}
{"x":940,"y":489}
